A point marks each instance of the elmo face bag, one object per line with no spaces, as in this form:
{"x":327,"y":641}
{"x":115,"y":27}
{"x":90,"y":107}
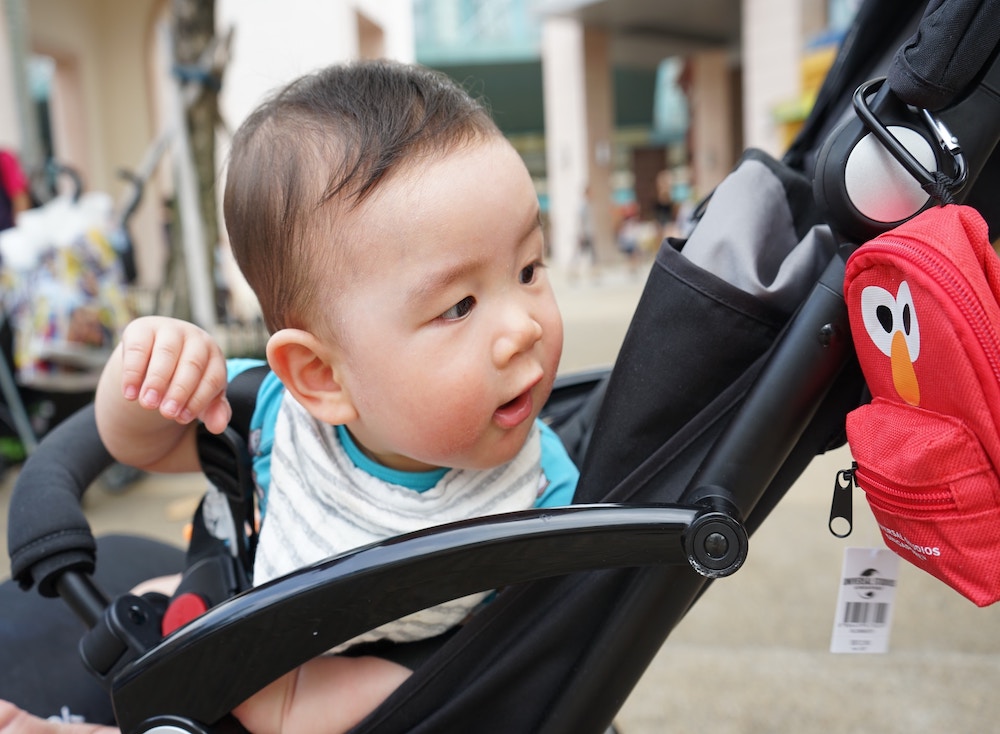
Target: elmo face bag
{"x":922,"y":301}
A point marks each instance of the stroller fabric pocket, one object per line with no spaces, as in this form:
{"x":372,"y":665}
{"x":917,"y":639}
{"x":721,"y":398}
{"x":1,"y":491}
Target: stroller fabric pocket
{"x":698,"y":329}
{"x":926,"y":325}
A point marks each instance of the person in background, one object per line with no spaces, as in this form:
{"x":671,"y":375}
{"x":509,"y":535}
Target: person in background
{"x":14,"y":195}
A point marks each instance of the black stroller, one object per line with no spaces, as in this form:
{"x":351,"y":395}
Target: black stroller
{"x":676,"y":469}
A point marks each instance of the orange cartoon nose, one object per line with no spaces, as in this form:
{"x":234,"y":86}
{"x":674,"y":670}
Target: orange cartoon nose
{"x":903,"y":375}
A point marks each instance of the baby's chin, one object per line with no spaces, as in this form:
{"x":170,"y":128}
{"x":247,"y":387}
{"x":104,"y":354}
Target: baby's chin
{"x":498,"y":457}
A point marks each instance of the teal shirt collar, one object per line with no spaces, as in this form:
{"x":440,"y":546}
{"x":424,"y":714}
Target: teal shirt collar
{"x":418,"y":481}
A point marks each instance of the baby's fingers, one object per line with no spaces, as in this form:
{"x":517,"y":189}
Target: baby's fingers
{"x":137,"y":351}
{"x":198,"y":380}
{"x":217,"y":416}
{"x":161,"y":362}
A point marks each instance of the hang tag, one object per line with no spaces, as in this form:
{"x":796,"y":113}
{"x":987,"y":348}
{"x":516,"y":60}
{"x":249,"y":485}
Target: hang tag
{"x":864,"y":604}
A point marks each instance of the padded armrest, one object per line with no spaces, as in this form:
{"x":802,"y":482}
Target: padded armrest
{"x":47,"y":532}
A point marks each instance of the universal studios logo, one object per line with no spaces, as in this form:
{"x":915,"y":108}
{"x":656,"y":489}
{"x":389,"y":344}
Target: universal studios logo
{"x":923,"y":552}
{"x":869,"y":584}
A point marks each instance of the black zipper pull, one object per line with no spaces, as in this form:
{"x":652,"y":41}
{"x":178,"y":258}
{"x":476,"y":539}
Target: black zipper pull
{"x":843,"y":507}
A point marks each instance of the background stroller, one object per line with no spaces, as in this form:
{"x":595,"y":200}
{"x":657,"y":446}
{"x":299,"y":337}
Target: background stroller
{"x":66,"y":271}
{"x":665,"y":432}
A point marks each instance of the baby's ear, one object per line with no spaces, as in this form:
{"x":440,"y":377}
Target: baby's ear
{"x":308,"y":370}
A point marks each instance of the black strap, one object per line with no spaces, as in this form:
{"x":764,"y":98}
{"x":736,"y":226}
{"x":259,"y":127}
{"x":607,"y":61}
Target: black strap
{"x":242,"y":396}
{"x":225,"y":460}
{"x":951,"y":47}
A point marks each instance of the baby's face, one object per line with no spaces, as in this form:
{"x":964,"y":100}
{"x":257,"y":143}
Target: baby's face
{"x":453,"y":336}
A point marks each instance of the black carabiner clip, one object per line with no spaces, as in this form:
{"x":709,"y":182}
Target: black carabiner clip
{"x":937,"y":184}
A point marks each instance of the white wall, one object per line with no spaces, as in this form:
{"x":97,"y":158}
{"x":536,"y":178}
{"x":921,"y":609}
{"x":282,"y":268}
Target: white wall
{"x":275,"y":42}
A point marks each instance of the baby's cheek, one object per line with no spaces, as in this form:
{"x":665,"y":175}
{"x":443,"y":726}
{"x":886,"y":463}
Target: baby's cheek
{"x":450,"y":434}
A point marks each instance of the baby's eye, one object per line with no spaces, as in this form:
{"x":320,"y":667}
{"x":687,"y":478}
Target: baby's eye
{"x":460,"y":310}
{"x":527,"y":274}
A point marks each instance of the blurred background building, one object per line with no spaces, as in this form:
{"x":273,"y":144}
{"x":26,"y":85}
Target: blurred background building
{"x":636,"y":106}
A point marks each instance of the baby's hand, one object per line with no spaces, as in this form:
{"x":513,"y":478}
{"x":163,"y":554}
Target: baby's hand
{"x":15,"y":721}
{"x":176,"y":368}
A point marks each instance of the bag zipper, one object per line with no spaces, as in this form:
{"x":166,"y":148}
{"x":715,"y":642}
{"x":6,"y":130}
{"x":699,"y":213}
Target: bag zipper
{"x":842,"y":507}
{"x":890,"y":497}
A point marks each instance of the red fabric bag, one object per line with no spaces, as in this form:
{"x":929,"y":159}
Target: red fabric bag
{"x":922,"y":301}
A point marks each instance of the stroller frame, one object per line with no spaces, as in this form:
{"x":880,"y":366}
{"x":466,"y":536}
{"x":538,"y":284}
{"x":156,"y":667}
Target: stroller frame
{"x":799,"y":389}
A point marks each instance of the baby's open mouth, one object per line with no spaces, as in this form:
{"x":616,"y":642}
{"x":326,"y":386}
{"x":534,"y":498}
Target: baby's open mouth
{"x":514,"y":411}
{"x":512,"y":403}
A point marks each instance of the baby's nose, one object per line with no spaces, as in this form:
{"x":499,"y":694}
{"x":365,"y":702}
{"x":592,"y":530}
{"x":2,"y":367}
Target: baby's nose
{"x":520,"y":334}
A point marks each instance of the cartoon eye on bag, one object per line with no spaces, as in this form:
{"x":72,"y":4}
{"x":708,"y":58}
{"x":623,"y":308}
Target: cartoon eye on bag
{"x":891,"y":322}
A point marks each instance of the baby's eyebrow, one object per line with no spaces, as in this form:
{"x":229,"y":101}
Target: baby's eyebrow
{"x":437,"y":281}
{"x":535,"y":224}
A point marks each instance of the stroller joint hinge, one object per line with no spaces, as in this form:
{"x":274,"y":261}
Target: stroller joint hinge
{"x":717,"y":542}
{"x":129,"y":627}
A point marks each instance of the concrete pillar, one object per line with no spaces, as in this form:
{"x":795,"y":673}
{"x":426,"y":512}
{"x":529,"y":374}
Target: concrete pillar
{"x":714,"y":139}
{"x":579,"y":122}
{"x":772,"y":44}
{"x":565,"y":133}
{"x":599,"y":99}
{"x":10,"y":132}
{"x":773,"y":38}
{"x":18,"y":128}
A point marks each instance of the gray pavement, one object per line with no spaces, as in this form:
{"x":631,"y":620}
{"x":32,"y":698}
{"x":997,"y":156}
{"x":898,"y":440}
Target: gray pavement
{"x":752,"y":656}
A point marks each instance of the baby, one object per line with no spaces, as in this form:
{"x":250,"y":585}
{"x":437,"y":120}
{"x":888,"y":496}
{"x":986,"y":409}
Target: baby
{"x":393,"y":238}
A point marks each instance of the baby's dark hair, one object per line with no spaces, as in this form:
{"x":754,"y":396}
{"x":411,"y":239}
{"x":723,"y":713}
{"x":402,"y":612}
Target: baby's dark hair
{"x":321,"y":145}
